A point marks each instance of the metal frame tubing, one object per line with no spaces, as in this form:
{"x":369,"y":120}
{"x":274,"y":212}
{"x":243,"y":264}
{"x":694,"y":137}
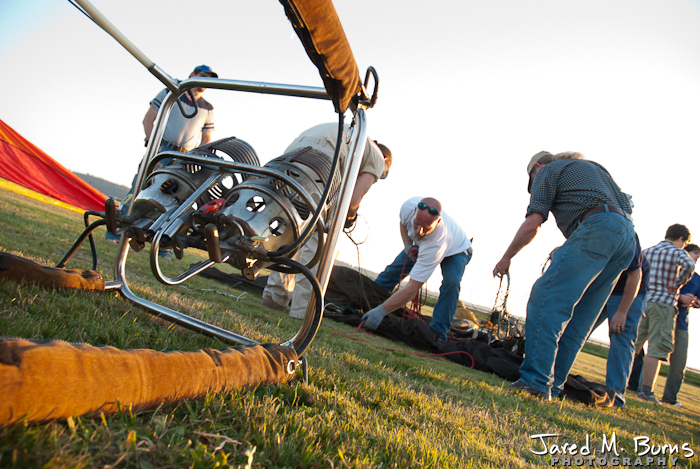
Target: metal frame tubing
{"x":310,"y":324}
{"x":357,"y":147}
{"x":215,"y":83}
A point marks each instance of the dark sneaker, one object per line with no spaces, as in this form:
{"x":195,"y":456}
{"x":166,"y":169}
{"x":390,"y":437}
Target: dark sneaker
{"x":519,"y":385}
{"x":440,"y":339}
{"x":648,"y":397}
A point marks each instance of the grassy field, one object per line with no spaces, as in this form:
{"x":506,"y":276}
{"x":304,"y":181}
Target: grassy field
{"x":364,"y":406}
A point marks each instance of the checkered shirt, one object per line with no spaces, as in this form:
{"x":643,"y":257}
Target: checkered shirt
{"x":669,"y":266}
{"x":570,"y":188}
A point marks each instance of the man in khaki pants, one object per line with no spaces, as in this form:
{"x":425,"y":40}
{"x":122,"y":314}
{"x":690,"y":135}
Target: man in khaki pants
{"x":376,"y":161}
{"x":659,"y":321}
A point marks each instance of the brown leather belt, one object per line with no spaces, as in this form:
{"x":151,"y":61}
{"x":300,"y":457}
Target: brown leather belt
{"x":174,"y":147}
{"x":603,"y":208}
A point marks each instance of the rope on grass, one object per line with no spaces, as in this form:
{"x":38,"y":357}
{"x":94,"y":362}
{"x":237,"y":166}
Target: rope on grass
{"x":348,"y":232}
{"x":243,"y":294}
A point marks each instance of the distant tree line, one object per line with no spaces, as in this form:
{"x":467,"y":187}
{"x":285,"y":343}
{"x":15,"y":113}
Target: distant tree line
{"x":109,"y":189}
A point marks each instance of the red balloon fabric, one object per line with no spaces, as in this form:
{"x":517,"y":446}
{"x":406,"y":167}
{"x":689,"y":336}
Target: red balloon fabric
{"x":23,"y":163}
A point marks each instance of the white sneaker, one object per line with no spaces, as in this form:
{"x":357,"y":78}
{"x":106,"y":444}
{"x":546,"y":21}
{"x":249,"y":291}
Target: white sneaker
{"x":677,"y":404}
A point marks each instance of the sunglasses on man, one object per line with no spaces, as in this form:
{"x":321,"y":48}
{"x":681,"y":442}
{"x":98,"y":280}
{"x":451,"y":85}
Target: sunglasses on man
{"x":431,"y":210}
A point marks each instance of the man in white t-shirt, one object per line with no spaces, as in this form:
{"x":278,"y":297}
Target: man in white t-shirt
{"x":430,"y":238}
{"x":182,"y":133}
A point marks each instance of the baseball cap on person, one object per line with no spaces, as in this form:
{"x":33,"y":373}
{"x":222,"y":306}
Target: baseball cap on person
{"x":536,"y":159}
{"x":206,"y":69}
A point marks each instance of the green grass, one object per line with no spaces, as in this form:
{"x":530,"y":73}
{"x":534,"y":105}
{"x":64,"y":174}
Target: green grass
{"x":597,"y":350}
{"x":364,"y":406}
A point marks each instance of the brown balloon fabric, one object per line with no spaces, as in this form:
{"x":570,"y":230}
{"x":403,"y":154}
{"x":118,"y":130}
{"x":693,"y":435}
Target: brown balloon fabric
{"x":318,"y":27}
{"x":17,"y":269}
{"x":43,"y":380}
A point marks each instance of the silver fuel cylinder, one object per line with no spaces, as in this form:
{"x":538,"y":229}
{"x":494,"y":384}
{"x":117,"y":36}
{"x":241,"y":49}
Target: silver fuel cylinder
{"x":270,"y":214}
{"x":170,"y":185}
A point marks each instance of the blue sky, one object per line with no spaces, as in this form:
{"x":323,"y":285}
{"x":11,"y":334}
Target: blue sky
{"x":469,"y":91}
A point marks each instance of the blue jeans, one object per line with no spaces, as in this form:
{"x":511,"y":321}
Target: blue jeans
{"x":620,"y":353}
{"x":571,"y":294}
{"x":452,"y":271}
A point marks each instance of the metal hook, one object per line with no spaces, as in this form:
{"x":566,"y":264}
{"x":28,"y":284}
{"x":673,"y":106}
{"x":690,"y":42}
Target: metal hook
{"x":194,"y":103}
{"x":366,"y":100}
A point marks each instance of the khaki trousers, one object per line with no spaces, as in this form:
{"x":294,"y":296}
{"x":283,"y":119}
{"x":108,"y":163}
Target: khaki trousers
{"x":282,"y":288}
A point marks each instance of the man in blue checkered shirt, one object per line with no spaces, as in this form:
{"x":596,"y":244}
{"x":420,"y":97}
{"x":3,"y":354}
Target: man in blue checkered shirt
{"x":594,"y":215}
